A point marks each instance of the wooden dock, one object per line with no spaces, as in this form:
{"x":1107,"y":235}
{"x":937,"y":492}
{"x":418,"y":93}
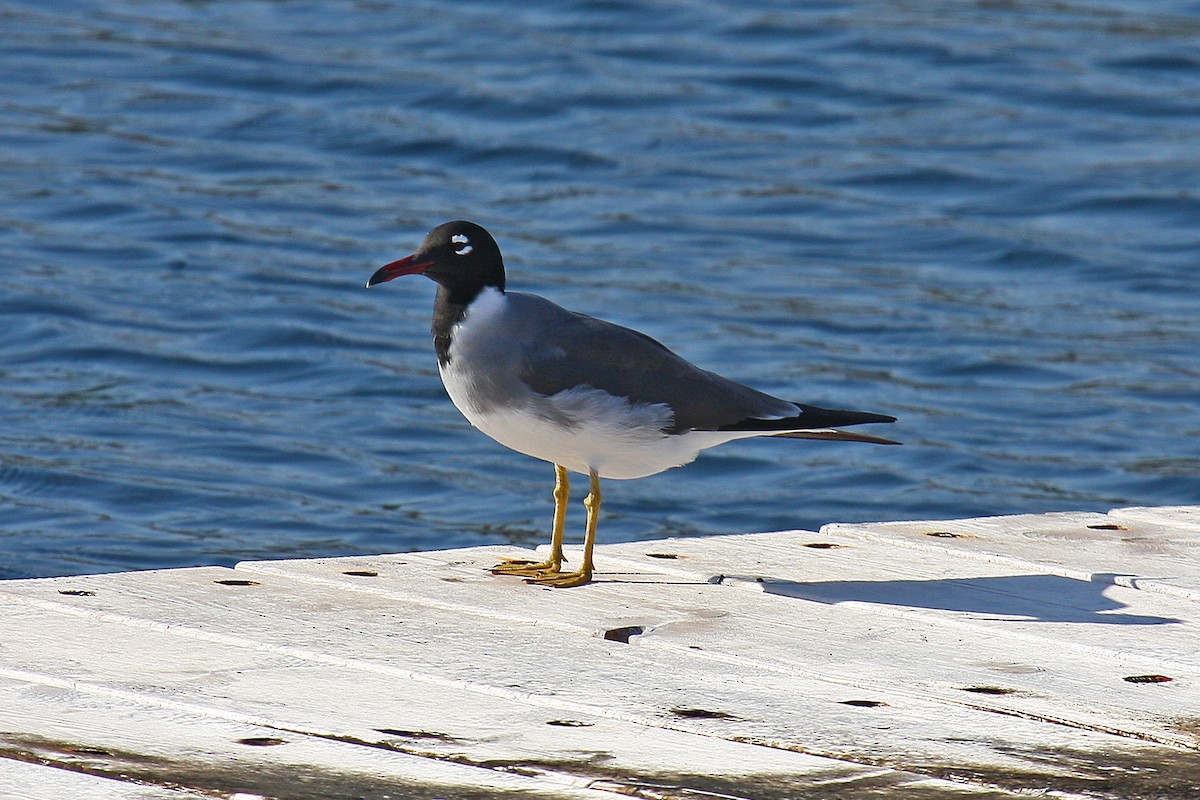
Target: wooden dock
{"x":1048,"y":655}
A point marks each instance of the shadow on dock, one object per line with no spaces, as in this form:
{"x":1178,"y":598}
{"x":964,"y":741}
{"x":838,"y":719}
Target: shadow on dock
{"x":1037,"y":598}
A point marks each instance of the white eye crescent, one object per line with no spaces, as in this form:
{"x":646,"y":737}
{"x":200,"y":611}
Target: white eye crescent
{"x":458,"y":238}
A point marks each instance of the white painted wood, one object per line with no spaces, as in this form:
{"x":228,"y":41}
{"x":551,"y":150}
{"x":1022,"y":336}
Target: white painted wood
{"x":444,"y":648}
{"x":988,"y":598}
{"x":75,"y":726}
{"x":250,"y":685}
{"x":1181,"y":516}
{"x":425,"y":669}
{"x":1155,"y":551}
{"x":829,"y":631}
{"x":20,"y":780}
{"x":329,"y":692}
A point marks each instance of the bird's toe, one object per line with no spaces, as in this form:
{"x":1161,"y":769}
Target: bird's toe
{"x":560,"y":580}
{"x":523,"y":567}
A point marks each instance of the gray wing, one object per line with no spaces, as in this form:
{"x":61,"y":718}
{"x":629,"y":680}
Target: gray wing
{"x":565,"y":349}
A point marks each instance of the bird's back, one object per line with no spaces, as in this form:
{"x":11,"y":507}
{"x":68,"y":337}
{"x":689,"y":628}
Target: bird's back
{"x":568,"y":349}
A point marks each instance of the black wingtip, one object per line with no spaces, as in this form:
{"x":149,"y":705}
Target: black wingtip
{"x":810,"y":417}
{"x":837,"y":417}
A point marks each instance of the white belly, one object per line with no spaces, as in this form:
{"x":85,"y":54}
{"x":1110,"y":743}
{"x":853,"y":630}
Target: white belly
{"x":583,"y":430}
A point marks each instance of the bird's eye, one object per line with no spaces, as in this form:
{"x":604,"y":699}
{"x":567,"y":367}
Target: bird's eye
{"x":458,"y":238}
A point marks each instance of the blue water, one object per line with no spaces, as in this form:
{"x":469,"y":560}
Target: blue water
{"x":980,"y":217}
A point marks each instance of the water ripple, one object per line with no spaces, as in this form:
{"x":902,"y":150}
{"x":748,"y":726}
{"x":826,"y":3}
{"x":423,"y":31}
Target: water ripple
{"x":981,"y":219}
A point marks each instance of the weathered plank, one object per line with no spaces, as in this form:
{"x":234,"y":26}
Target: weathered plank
{"x":286,"y":685}
{"x":1187,"y":517}
{"x":1062,"y":663}
{"x":175,"y":743}
{"x":860,"y":660}
{"x":1156,"y":550}
{"x":542,"y":668}
{"x":22,"y":780}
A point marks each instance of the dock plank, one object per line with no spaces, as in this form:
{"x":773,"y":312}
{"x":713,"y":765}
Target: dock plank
{"x":1158,"y":550}
{"x":21,"y":780}
{"x":858,"y":661}
{"x":228,"y":674}
{"x":835,"y":640}
{"x":1187,"y":517}
{"x":152,"y":740}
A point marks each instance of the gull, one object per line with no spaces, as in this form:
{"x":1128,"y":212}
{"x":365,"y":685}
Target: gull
{"x":588,"y":396}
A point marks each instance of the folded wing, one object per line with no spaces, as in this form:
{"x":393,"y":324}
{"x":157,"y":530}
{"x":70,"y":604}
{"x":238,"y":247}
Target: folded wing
{"x":572,"y":350}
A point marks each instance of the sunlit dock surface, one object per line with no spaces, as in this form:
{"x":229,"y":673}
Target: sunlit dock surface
{"x":1046,"y":655}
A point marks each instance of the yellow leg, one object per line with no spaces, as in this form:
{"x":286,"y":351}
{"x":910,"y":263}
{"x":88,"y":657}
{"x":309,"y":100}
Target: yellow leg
{"x":563,"y":580}
{"x":552,"y":565}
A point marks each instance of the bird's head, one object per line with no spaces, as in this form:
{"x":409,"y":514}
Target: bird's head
{"x":460,"y":256}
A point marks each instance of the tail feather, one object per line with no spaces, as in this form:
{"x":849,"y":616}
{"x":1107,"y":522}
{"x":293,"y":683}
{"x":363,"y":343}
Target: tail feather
{"x":833,"y":435}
